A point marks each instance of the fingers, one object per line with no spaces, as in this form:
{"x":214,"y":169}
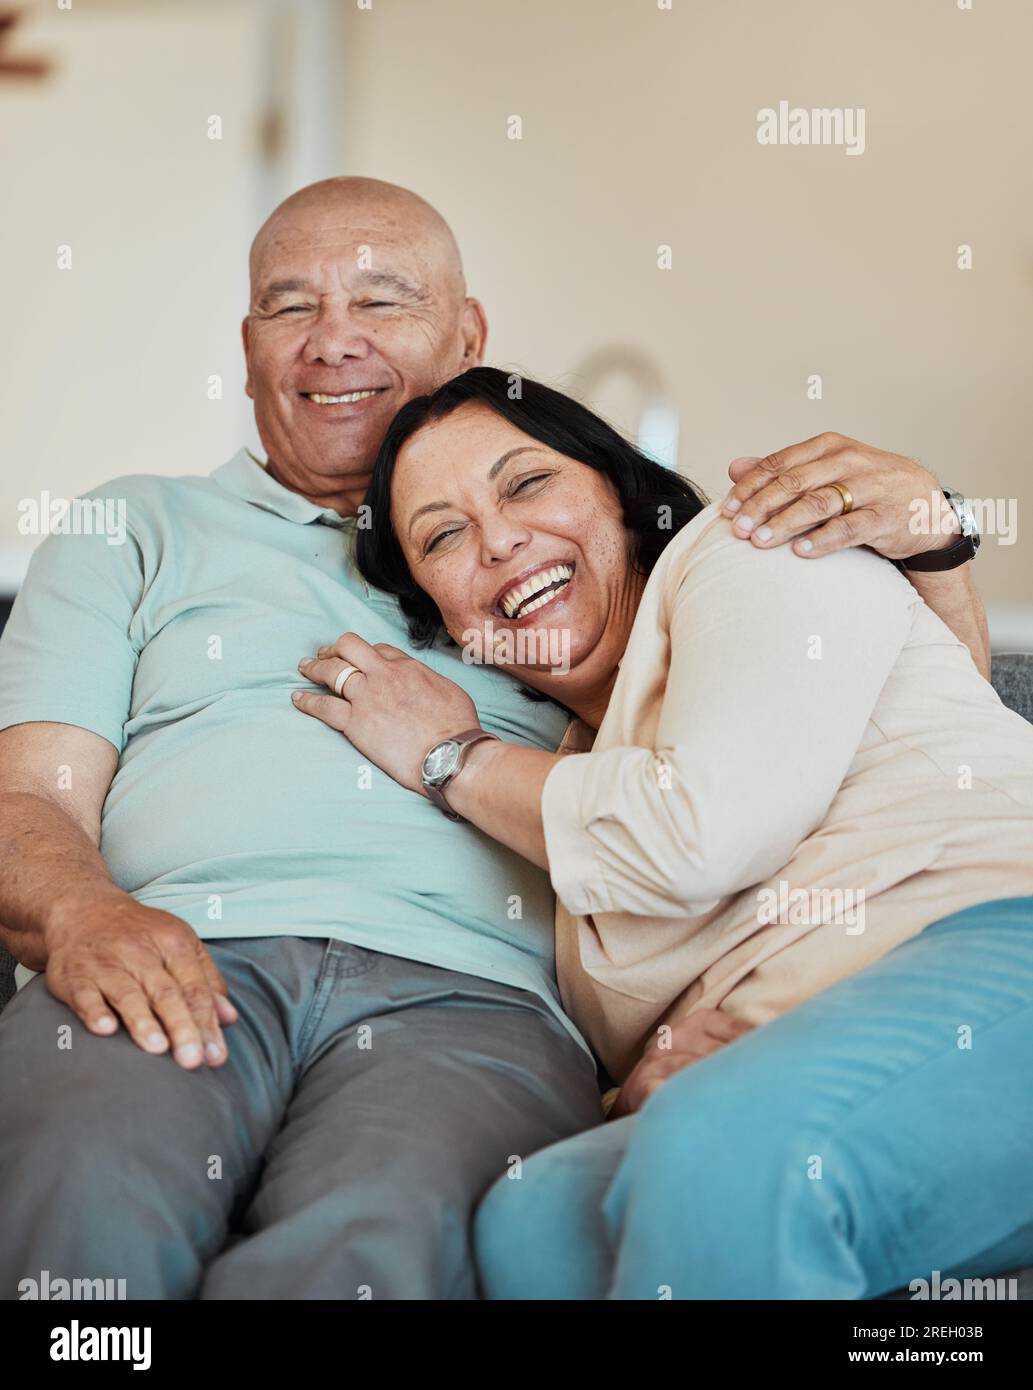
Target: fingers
{"x":85,"y":1000}
{"x":352,"y":648}
{"x":186,"y":970}
{"x":813,"y":509}
{"x":759,"y":496}
{"x":130,"y":1000}
{"x":225,"y":1010}
{"x":703,"y":1032}
{"x":329,"y":708}
{"x":326,"y":670}
{"x":857,"y":528}
{"x":173,"y":996}
{"x":749,"y":480}
{"x":724,"y":1027}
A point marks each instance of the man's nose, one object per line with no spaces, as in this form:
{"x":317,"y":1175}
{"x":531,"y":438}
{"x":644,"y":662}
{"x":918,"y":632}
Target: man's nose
{"x":335,"y":337}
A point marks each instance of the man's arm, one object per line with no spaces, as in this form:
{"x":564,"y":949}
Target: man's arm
{"x":788,"y":496}
{"x":954,"y":598}
{"x":106,"y":955}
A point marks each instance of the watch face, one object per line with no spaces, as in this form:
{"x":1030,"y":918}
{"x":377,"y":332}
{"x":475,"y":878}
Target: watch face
{"x":440,"y":762}
{"x":963,"y":510}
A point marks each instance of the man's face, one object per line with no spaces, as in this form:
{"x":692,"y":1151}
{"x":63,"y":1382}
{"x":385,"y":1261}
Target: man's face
{"x":347,"y":323}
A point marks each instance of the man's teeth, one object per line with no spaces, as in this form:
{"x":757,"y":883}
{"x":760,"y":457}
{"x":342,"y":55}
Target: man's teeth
{"x":346,"y":399}
{"x":523,"y":599}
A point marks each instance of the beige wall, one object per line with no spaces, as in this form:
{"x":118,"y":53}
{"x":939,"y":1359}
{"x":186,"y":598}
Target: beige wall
{"x":639,"y":128}
{"x":108,"y":361}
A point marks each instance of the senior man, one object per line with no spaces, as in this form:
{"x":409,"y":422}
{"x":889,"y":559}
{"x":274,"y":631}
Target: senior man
{"x":293,"y":1020}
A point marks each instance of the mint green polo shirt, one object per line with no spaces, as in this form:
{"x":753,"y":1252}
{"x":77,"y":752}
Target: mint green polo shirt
{"x":231,"y":808}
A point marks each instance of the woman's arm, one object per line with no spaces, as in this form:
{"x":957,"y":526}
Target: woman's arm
{"x":499,"y":789}
{"x":776,"y":667}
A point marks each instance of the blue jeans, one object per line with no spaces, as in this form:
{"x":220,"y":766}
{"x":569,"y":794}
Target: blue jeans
{"x":880,"y":1131}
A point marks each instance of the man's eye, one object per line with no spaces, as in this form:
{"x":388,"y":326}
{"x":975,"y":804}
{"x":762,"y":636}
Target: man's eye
{"x":378,"y":304}
{"x":292,"y":309}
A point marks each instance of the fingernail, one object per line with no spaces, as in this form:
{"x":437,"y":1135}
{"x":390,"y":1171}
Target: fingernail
{"x":731,"y":504}
{"x":303,"y":664}
{"x":745,"y":458}
{"x":804,"y":545}
{"x":189,"y":1053}
{"x":744,"y":523}
{"x":296,"y":696}
{"x":105,"y":1021}
{"x":764,"y":533}
{"x":155,"y":1040}
{"x":213,"y":1052}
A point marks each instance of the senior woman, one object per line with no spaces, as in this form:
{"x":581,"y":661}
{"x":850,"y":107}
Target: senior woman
{"x":787,"y":798}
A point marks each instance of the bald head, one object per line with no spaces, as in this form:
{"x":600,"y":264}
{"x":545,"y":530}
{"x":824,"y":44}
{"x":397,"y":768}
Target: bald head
{"x":358,"y":304}
{"x":318,"y":213}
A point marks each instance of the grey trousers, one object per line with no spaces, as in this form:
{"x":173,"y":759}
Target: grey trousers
{"x":367,"y":1104}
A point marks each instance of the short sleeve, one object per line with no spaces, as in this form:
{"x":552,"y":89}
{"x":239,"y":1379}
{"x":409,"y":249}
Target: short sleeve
{"x":66,"y":654}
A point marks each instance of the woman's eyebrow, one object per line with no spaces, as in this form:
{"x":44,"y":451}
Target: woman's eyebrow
{"x":499,"y":464}
{"x":493,"y":472}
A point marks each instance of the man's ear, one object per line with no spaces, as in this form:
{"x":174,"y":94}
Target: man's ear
{"x":245,"y":329}
{"x":474,"y":329}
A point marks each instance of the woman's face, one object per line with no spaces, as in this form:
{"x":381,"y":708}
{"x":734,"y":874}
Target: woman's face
{"x":518,"y":543}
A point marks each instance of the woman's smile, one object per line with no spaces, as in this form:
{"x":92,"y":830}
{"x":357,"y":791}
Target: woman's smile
{"x":537,"y":588}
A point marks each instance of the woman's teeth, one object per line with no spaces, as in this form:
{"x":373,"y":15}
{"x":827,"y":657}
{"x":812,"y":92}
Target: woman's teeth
{"x":535,"y":592}
{"x":346,"y":399}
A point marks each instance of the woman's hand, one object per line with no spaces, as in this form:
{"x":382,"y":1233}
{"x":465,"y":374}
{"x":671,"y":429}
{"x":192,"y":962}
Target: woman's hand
{"x":690,"y":1038}
{"x":393,"y":709}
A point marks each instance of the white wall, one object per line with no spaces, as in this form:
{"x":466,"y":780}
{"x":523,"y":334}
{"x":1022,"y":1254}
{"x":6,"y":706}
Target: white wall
{"x":108,"y":362}
{"x":640,"y":129}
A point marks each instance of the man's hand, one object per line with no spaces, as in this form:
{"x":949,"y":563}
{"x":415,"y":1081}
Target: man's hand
{"x":113,"y":956}
{"x":789,"y":493}
{"x":691,"y":1038}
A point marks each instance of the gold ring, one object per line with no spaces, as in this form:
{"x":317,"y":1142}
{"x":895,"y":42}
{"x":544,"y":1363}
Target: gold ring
{"x":342,"y":676}
{"x":845,"y":493}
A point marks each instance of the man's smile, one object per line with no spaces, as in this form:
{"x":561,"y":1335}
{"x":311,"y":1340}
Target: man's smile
{"x":345,"y":397}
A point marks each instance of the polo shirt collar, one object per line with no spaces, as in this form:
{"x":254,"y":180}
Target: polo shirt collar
{"x":247,"y":479}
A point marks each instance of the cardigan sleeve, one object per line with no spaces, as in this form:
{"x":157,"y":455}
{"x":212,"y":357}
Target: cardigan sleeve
{"x":776,"y":664}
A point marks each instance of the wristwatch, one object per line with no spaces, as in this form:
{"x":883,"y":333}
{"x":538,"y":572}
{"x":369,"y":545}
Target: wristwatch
{"x":963,"y":549}
{"x":442,"y":764}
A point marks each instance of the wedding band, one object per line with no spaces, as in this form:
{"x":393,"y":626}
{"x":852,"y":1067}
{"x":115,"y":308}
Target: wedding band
{"x":845,"y":493}
{"x":342,"y":676}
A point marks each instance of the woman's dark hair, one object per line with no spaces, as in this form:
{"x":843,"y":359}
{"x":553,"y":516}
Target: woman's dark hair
{"x":657,"y":502}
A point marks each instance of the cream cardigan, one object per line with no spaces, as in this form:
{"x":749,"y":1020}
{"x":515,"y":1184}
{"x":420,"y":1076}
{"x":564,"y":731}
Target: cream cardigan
{"x":800,"y":767}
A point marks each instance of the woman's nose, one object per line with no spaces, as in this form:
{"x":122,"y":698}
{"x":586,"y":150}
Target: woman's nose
{"x":501,"y":539}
